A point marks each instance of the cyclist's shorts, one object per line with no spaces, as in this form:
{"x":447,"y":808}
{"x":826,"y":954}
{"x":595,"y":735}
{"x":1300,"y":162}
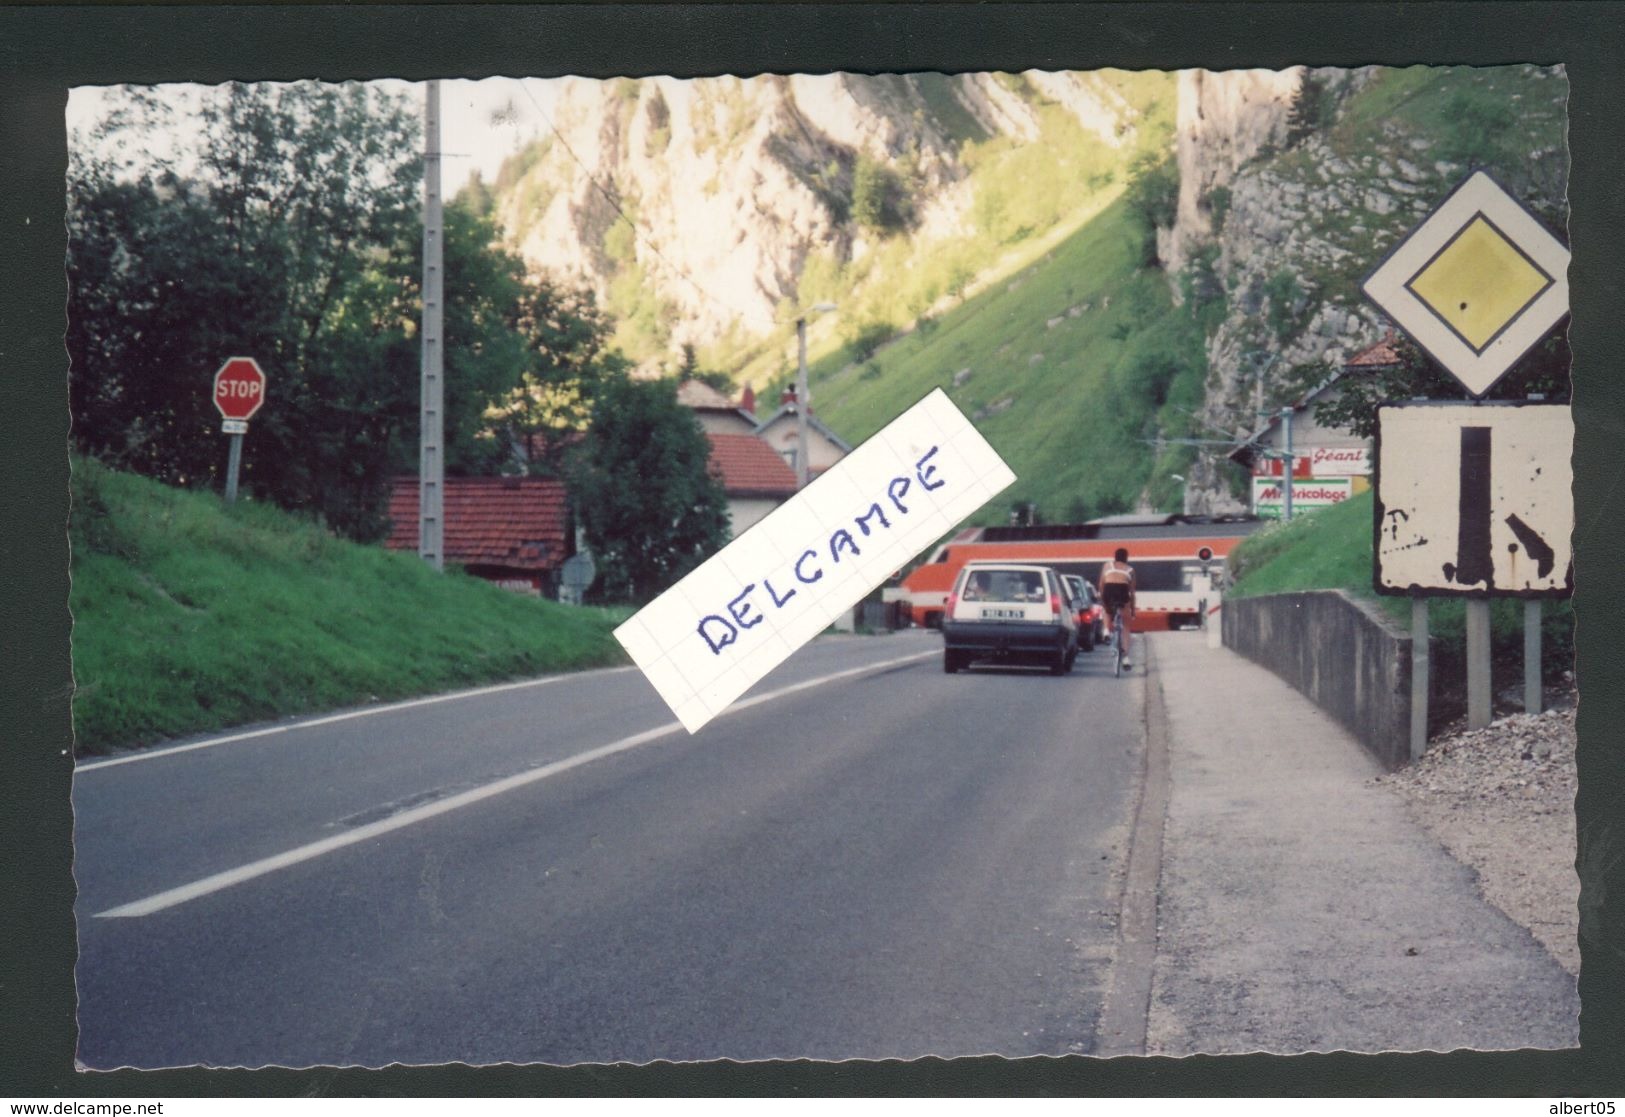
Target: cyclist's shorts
{"x":1114,"y":595}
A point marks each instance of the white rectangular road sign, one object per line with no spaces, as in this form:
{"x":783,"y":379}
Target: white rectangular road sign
{"x":234,"y":426}
{"x":709,"y":638}
{"x":1474,"y":499}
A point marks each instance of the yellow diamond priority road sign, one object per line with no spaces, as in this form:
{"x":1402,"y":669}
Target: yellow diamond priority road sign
{"x":1476,"y":284}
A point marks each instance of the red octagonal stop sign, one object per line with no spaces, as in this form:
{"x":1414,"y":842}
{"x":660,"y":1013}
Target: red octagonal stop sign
{"x":239,"y":388}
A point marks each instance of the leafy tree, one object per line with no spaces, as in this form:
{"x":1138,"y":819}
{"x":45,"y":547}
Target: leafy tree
{"x":264,"y":242}
{"x":291,"y":232}
{"x":877,"y":195}
{"x":477,"y":195}
{"x":643,"y":491}
{"x":1544,"y":370}
{"x":558,"y":346}
{"x":1153,"y":194}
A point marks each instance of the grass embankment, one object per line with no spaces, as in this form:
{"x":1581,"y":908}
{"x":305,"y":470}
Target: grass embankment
{"x":190,"y":616}
{"x":1332,"y":549}
{"x":1070,"y":368}
{"x":1025,"y":195}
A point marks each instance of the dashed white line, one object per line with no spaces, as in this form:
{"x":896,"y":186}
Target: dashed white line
{"x":223,"y":880}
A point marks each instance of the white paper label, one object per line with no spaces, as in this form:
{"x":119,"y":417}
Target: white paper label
{"x":709,"y":638}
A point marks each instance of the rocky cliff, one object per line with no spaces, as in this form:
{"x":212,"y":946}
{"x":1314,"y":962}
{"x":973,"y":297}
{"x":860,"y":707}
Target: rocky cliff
{"x":701,"y":210}
{"x":731,"y":184}
{"x":1293,"y":184}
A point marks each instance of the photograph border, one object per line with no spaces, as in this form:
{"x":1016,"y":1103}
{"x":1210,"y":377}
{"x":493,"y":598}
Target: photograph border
{"x":45,"y":51}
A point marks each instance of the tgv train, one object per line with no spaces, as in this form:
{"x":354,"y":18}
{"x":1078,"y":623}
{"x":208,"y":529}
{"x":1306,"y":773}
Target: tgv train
{"x":1172,"y":555}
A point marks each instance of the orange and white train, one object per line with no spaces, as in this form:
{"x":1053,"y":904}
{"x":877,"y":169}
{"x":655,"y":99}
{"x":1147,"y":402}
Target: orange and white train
{"x":1175,"y":559}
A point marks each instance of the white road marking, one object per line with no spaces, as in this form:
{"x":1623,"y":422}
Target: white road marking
{"x":221,"y":881}
{"x":479,"y":692}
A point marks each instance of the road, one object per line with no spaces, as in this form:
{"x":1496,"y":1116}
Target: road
{"x":893,"y":863}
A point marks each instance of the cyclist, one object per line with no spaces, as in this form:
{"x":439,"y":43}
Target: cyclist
{"x":1116,"y":588}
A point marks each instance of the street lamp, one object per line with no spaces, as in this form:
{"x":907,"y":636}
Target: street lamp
{"x":802,"y":393}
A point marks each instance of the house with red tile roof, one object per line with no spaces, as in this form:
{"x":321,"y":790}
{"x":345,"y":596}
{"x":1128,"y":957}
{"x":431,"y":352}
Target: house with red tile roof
{"x":1337,"y":461}
{"x":779,"y":430}
{"x":514,"y":531}
{"x":755,"y":479}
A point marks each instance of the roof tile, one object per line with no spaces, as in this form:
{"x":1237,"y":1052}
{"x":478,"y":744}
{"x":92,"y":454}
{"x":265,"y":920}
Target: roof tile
{"x":516,"y":522}
{"x":747,"y":466}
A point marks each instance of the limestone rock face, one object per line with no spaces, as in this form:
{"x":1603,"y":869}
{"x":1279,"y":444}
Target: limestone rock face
{"x":1286,"y":226}
{"x":733,"y":182}
{"x":1224,"y":120}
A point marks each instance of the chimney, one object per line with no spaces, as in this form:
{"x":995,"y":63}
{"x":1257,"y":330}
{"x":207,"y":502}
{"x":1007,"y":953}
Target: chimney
{"x":747,"y":401}
{"x":788,"y":397}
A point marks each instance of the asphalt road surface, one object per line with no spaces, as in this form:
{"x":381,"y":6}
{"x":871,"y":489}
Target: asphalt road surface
{"x":891,"y":863}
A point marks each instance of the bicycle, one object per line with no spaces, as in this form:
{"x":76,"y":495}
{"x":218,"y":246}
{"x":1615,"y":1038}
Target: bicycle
{"x":1117,"y":643}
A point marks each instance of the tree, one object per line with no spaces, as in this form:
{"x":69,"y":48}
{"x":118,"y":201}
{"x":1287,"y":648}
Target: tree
{"x":1153,"y":194}
{"x":1544,"y":370}
{"x":563,"y":360}
{"x":643,"y":491}
{"x":1308,"y":110}
{"x":264,"y":238}
{"x":877,"y":195}
{"x":689,"y":369}
{"x":291,"y":233}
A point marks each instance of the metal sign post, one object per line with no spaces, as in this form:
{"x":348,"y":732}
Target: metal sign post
{"x":1531,"y":656}
{"x":234,"y":462}
{"x":1421,"y":664}
{"x":1473,"y":499}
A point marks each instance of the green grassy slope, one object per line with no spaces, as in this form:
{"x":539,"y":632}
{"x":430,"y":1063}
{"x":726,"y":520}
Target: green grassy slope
{"x":1024,"y":196}
{"x":1328,"y":549}
{"x":190,"y":616}
{"x":1068,"y":367}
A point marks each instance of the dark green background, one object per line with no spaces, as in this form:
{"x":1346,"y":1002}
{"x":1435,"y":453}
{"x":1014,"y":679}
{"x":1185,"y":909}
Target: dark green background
{"x":44,"y":51}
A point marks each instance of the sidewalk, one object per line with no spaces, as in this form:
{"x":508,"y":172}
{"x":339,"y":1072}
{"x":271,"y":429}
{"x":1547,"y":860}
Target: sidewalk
{"x":1300,"y":906}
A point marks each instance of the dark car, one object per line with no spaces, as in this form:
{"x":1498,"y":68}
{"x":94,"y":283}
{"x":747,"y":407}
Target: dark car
{"x":1091,"y":613}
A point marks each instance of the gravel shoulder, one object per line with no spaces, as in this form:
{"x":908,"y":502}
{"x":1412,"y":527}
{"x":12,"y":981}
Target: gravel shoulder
{"x":1501,"y":800}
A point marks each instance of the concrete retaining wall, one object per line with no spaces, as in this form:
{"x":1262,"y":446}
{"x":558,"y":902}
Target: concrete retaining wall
{"x":1342,"y":653}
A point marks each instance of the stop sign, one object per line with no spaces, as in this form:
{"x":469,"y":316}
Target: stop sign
{"x":239,"y":388}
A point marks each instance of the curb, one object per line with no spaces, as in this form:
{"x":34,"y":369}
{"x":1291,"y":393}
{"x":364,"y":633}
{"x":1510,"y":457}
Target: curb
{"x":1125,"y":1016}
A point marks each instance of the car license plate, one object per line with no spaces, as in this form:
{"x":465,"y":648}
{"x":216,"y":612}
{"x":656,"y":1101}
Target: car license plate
{"x":1003,"y":614}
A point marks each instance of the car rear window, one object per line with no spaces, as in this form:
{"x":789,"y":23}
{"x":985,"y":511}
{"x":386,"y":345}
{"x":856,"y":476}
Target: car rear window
{"x":1004,"y":585}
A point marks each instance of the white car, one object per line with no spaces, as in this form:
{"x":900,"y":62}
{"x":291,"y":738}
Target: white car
{"x":1009,"y":612}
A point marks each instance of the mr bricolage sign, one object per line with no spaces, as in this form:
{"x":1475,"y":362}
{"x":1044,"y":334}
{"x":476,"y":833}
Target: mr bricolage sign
{"x":705,"y":641}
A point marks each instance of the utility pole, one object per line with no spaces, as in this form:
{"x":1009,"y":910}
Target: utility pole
{"x":431,"y":460}
{"x":1291,"y":462}
{"x":801,"y":403}
{"x":803,"y":393}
